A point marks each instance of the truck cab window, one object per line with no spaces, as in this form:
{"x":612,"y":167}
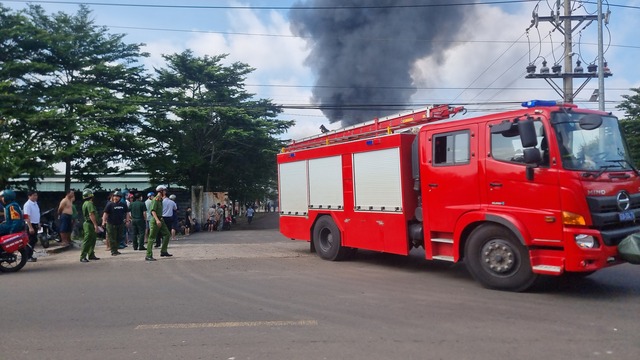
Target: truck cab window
{"x":451,"y":148}
{"x":508,"y":147}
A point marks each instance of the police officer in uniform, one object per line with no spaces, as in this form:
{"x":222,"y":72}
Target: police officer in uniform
{"x":157,"y":225}
{"x":89,"y":227}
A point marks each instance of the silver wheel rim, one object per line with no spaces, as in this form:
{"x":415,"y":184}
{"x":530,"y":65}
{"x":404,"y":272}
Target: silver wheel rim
{"x":500,"y":258}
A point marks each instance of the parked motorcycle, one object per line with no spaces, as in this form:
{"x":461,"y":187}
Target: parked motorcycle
{"x":48,"y":228}
{"x":13,"y":251}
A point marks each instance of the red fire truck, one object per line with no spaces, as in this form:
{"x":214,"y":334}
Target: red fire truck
{"x":544,"y":190}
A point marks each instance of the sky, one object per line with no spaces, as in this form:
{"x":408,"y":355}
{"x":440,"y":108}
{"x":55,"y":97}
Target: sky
{"x":472,"y":55}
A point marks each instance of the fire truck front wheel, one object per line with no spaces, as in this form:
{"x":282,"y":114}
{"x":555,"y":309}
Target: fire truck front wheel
{"x":497,"y":260}
{"x":327,"y":240}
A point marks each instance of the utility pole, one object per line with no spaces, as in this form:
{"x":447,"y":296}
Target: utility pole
{"x":600,"y":59}
{"x":565,"y":25}
{"x":567,"y":81}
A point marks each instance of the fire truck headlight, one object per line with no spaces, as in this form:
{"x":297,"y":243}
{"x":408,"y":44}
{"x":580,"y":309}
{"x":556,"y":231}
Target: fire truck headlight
{"x":569,"y":218}
{"x":586,"y":241}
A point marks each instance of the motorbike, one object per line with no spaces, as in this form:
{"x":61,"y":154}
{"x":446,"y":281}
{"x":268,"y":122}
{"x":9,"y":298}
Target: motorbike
{"x":48,"y":228}
{"x":13,"y":251}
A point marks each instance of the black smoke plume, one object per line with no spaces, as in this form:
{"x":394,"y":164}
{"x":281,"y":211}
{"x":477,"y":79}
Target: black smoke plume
{"x":363,"y":53}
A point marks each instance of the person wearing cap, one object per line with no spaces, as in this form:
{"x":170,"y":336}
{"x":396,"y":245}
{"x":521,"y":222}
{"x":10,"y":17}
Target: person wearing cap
{"x":13,"y":217}
{"x":138,"y":221}
{"x":169,"y":207}
{"x":158,"y":225}
{"x":115,"y":215}
{"x":89,"y":227}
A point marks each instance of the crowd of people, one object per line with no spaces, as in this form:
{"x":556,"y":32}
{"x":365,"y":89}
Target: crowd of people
{"x":127,"y":219}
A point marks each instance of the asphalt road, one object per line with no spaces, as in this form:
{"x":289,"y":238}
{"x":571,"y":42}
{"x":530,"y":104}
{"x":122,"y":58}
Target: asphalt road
{"x":249,"y":293}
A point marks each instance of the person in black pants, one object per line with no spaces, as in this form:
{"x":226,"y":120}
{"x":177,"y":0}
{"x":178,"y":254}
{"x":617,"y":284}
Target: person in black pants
{"x":32,"y":209}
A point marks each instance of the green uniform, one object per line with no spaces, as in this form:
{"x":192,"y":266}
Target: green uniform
{"x":89,"y":239}
{"x":138,"y":226}
{"x":154,"y":228}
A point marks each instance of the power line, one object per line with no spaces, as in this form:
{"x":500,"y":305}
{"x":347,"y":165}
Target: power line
{"x":304,"y":37}
{"x":227,"y":7}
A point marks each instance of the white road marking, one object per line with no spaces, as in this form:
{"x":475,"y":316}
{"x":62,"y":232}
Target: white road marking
{"x":227,"y":324}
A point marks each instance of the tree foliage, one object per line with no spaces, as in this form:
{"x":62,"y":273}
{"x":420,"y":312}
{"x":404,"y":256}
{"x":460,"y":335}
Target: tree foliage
{"x":79,"y":89}
{"x":208,"y":130}
{"x":73,"y":93}
{"x":631,"y":124}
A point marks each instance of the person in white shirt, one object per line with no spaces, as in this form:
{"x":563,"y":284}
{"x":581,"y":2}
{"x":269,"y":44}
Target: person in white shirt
{"x":32,"y":209}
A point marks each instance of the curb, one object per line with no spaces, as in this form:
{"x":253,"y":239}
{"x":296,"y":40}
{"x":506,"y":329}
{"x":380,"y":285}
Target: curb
{"x":59,"y":249}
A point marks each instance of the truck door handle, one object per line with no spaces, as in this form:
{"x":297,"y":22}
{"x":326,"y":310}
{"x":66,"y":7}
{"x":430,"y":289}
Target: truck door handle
{"x":433,"y":185}
{"x":495,"y":184}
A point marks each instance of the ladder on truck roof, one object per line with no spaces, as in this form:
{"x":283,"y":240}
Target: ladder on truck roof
{"x":376,"y":127}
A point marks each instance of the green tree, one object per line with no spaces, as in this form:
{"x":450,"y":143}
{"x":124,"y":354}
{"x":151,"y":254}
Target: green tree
{"x":20,"y":150}
{"x":631,"y":124}
{"x":85,"y":87}
{"x":208,"y":130}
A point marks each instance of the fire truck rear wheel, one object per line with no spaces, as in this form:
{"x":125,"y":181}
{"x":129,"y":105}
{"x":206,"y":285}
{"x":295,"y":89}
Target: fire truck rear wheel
{"x":328,"y":241}
{"x":497,"y":260}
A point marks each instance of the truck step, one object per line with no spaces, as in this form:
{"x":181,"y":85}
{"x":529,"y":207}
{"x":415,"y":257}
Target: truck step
{"x":443,"y":258}
{"x":548,"y":269}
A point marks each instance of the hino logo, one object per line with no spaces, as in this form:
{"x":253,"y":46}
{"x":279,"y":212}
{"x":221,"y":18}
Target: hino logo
{"x":623,"y":200}
{"x":596,"y":192}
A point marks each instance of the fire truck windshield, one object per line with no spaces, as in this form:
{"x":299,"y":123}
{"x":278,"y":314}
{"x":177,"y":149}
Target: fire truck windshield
{"x":598,"y":147}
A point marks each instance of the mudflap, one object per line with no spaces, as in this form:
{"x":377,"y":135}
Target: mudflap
{"x":629,"y":249}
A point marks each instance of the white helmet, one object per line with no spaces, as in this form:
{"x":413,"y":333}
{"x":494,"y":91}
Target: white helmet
{"x":161,"y":188}
{"x":172,"y":197}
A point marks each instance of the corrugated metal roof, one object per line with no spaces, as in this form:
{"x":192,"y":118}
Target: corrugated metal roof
{"x":55,"y":183}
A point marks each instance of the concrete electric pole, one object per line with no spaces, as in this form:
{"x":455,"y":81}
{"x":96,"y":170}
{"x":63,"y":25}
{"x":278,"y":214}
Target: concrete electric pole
{"x":565,"y":25}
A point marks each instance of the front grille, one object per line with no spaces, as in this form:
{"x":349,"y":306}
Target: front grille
{"x":605,"y":216}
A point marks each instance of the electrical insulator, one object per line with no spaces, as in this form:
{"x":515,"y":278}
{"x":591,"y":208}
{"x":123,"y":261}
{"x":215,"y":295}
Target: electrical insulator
{"x":578,"y":68}
{"x":544,"y":69}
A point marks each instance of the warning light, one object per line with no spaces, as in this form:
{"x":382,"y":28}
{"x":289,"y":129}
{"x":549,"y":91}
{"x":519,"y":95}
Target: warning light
{"x":536,"y":103}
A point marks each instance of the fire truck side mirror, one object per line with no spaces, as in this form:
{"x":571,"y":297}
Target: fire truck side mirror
{"x":528,"y":135}
{"x":532,"y":156}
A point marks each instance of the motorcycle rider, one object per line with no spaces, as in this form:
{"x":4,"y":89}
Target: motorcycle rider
{"x":14,"y":220}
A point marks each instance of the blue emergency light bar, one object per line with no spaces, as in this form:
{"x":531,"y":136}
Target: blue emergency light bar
{"x":536,"y":103}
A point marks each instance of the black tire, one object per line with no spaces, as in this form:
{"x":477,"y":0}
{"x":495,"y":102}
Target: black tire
{"x":497,"y":260}
{"x":20,"y":259}
{"x":327,"y":240}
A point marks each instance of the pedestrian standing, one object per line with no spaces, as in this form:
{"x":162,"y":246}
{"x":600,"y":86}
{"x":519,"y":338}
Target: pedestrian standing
{"x":188,"y":221}
{"x":211,"y":219}
{"x":65,"y":212}
{"x":174,"y":217}
{"x":219,"y":217}
{"x":147,"y":204}
{"x":89,"y":228}
{"x":169,"y":207}
{"x":115,"y":215}
{"x":250,"y":213}
{"x":158,"y":225}
{"x":138,"y":222}
{"x":32,"y":209}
